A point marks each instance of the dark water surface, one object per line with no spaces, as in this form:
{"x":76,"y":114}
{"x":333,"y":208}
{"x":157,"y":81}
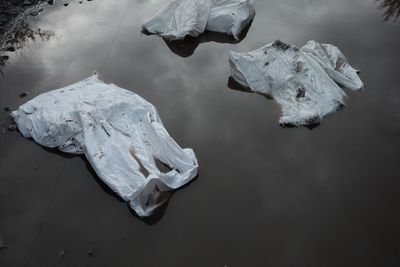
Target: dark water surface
{"x":265,"y":196}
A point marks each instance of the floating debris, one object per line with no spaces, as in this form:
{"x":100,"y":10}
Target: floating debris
{"x":183,"y":18}
{"x":306,"y":82}
{"x":122,"y":135}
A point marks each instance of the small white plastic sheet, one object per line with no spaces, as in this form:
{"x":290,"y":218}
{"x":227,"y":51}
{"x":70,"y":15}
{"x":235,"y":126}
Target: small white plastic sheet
{"x":183,"y":18}
{"x":306,"y":82}
{"x":120,"y":134}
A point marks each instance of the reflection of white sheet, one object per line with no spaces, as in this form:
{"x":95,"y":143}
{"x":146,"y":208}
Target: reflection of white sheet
{"x":305,"y":81}
{"x":183,"y":18}
{"x":120,"y":134}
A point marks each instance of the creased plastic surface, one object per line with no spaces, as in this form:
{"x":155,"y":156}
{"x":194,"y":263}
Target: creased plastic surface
{"x":305,"y":82}
{"x":120,"y":134}
{"x":183,"y":18}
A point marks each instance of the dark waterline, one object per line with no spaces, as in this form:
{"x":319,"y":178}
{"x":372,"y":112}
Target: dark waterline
{"x":265,"y":196}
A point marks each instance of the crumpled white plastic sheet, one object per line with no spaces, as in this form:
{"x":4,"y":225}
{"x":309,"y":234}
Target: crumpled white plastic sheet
{"x":306,"y":82}
{"x":120,"y":134}
{"x":183,"y":18}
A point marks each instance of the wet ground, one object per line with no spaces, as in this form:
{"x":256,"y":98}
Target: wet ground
{"x":265,"y":196}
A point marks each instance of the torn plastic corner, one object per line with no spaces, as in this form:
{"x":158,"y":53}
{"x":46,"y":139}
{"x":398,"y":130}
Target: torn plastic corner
{"x":306,"y":82}
{"x":120,"y":134}
{"x":183,"y":18}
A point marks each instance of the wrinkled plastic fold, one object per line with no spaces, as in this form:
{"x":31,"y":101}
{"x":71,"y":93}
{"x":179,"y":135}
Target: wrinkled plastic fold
{"x":183,"y":18}
{"x":306,"y":82}
{"x":120,"y":134}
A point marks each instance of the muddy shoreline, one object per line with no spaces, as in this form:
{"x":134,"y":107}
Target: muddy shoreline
{"x":14,"y":29}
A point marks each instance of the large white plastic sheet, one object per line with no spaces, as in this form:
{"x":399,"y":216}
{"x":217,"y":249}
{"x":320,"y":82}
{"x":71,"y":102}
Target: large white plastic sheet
{"x":183,"y":18}
{"x":306,"y":82}
{"x":120,"y":134}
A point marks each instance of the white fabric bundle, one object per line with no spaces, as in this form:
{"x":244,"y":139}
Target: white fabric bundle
{"x":305,"y":82}
{"x":183,"y":18}
{"x":120,"y":134}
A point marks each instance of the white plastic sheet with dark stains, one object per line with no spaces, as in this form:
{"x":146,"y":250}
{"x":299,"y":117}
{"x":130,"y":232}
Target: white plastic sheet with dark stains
{"x":183,"y":18}
{"x":306,"y":82}
{"x":120,"y":134}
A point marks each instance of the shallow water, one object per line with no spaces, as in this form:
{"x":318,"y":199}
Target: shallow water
{"x":265,"y":196}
